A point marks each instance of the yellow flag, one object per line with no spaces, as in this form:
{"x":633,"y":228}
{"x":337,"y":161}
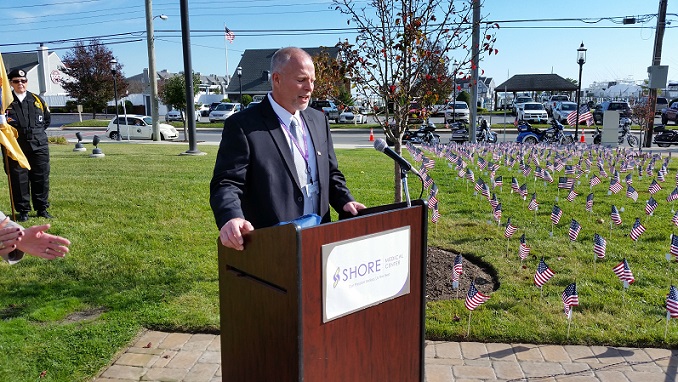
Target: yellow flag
{"x":8,"y":134}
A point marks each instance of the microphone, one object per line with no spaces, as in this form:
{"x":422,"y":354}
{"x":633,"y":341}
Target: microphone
{"x":380,"y":145}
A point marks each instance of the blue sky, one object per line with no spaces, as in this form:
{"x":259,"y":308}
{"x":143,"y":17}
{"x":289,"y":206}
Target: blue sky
{"x":524,"y":47}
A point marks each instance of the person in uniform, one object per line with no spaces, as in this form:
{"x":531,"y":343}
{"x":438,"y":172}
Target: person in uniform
{"x":29,"y":114}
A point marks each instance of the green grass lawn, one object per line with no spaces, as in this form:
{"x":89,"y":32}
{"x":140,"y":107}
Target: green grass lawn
{"x":144,"y":255}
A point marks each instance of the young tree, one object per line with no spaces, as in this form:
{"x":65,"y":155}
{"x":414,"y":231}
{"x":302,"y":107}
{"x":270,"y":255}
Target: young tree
{"x":642,"y":113}
{"x":173,"y":92}
{"x":89,"y":78}
{"x":396,"y":44}
{"x":330,"y":76}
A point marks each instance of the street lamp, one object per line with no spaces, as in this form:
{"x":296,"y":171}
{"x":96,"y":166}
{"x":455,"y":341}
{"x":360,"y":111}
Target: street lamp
{"x":114,"y":71}
{"x":152,"y":74}
{"x":581,"y":60}
{"x":239,"y":73}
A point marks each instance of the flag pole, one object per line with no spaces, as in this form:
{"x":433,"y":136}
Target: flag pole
{"x":226,"y":48}
{"x":569,"y":320}
{"x":666,"y":329}
{"x":468,"y":329}
{"x":9,"y":185}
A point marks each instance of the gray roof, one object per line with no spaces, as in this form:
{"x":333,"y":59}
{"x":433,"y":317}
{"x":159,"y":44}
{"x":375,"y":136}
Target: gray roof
{"x":25,"y":61}
{"x":536,"y":82}
{"x":256,"y":64}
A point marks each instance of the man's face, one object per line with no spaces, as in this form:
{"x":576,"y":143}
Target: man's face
{"x":292,"y":87}
{"x":19,"y":84}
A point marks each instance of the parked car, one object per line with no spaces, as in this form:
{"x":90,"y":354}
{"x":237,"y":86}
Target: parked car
{"x":519,"y":102}
{"x":562,"y":110}
{"x":223,"y":111}
{"x":174,"y":115}
{"x":327,"y":107}
{"x":662,"y":103}
{"x":670,"y":114}
{"x":457,"y":111}
{"x":139,"y":127}
{"x":352,"y":115}
{"x":438,"y":110}
{"x":251,"y":104}
{"x":553,"y":101}
{"x":533,"y":112}
{"x":621,"y":106}
{"x":203,"y":111}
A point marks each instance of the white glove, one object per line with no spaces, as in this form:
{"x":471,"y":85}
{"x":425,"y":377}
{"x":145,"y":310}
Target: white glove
{"x":3,"y":119}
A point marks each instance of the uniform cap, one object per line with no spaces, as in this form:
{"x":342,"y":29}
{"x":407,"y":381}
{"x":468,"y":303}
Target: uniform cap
{"x":16,"y":73}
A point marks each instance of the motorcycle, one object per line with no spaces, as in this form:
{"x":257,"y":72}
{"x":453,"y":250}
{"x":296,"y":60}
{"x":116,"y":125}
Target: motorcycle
{"x":624,"y":132}
{"x":460,"y":133}
{"x":664,"y":137}
{"x":532,"y":135}
{"x":425,"y":134}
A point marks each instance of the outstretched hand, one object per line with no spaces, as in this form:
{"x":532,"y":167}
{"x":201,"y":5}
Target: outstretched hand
{"x":37,"y":242}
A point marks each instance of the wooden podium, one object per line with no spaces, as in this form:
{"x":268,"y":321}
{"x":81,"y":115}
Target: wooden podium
{"x":271,"y":306}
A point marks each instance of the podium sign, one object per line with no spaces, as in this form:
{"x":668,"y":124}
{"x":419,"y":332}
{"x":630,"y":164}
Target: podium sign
{"x":365,"y":271}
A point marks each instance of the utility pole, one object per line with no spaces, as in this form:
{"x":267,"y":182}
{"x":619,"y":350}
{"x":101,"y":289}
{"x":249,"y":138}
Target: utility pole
{"x":152,"y":74}
{"x":656,"y":61}
{"x":475,"y":53}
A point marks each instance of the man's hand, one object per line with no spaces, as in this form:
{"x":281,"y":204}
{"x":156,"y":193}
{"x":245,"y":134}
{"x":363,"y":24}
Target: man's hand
{"x":353,"y":207}
{"x":231,"y":233}
{"x":9,"y":237}
{"x":35,"y":241}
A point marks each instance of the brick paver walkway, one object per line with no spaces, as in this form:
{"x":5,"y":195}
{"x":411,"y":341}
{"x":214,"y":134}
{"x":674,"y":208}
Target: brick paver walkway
{"x":164,"y":357}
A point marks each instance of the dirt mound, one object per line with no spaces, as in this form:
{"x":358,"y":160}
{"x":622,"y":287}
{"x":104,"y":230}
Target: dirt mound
{"x":439,"y":276}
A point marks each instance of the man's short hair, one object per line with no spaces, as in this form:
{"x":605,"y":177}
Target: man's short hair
{"x":283,"y":55}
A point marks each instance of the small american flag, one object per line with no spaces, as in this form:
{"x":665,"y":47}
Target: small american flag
{"x":435,"y":215}
{"x":497,"y":212}
{"x":526,"y":170}
{"x":599,"y":246}
{"x":571,"y":195}
{"x":510,"y":229}
{"x":428,"y":181}
{"x":458,"y":264}
{"x":533,"y":205}
{"x":594,"y":181}
{"x":498,"y":181}
{"x":575,"y":228}
{"x":493,"y":201}
{"x":636,"y":230}
{"x":547,"y":176}
{"x":474,"y":298}
{"x":589,"y":202}
{"x":615,"y":186}
{"x":632,"y":193}
{"x":469,"y":175}
{"x":673,"y":195}
{"x":615,"y":217}
{"x":543,"y":274}
{"x":654,"y":187}
{"x":524,"y":249}
{"x":674,"y":219}
{"x":523,"y":191}
{"x":428,"y":163}
{"x":650,"y":206}
{"x":570,"y":298}
{"x":230,"y":36}
{"x":433,"y":196}
{"x":623,"y":271}
{"x":629,"y":179}
{"x":556,"y":213}
{"x":674,"y":245}
{"x":565,"y":182}
{"x":672,"y":302}
{"x":514,"y":184}
{"x":569,"y":170}
{"x":479,"y":184}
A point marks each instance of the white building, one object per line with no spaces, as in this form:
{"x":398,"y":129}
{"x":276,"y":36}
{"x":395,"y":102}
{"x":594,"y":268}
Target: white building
{"x":43,"y":73}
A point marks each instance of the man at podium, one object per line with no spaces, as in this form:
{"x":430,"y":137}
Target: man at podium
{"x":276,"y":160}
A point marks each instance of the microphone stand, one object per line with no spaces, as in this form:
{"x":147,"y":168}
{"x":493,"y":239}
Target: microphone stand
{"x":403,"y":178}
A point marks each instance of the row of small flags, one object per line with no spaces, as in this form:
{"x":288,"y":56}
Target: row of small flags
{"x":474,"y":297}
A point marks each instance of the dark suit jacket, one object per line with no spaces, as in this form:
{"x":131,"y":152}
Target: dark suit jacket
{"x":254,"y":175}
